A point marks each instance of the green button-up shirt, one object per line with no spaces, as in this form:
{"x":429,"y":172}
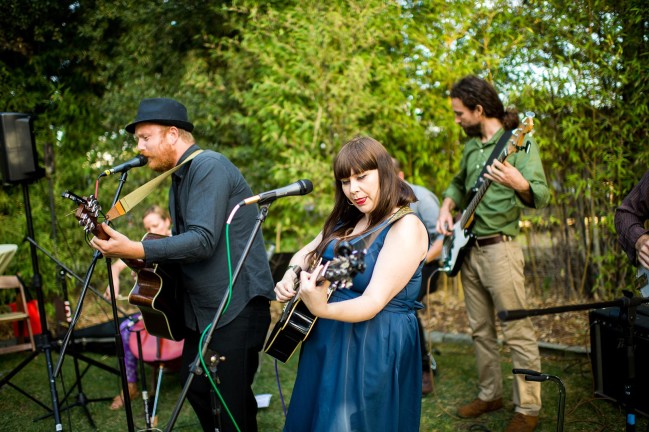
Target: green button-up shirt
{"x":500,"y":209}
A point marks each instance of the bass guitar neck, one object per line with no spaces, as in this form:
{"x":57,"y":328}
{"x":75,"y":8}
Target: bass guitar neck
{"x":458,"y":243}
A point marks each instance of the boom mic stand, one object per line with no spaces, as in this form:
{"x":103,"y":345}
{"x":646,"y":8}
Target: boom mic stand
{"x":67,"y":270}
{"x":43,"y":341}
{"x":118,"y":337}
{"x":627,"y":305}
{"x":195,"y":368}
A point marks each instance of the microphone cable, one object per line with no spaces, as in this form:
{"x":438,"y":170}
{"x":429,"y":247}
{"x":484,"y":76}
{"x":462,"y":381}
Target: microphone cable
{"x":229,"y":297}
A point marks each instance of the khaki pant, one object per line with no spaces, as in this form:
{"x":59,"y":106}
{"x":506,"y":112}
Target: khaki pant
{"x":493,"y":280}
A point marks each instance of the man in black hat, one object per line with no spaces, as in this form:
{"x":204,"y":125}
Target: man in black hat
{"x":203,"y":193}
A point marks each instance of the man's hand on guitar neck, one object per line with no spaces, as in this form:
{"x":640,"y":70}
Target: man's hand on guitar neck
{"x":508,"y":175}
{"x":642,"y":250}
{"x":118,"y":245}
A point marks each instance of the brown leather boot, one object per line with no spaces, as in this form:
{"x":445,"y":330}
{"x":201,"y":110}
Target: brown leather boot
{"x":522,"y":423}
{"x":477,"y":407}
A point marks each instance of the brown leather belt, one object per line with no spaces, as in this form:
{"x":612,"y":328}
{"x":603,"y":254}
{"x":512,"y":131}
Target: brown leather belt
{"x":488,"y":241}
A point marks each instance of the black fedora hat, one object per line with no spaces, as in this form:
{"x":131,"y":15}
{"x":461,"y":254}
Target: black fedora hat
{"x":162,"y":111}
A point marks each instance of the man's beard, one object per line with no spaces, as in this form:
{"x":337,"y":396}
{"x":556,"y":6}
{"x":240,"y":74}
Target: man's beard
{"x":164,"y":160}
{"x":473,"y":131}
{"x":162,"y":164}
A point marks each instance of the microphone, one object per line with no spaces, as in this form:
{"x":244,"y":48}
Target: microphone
{"x":137,"y":161}
{"x":300,"y":187}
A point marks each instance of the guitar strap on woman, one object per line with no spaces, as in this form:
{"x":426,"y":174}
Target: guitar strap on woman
{"x":368,"y":238}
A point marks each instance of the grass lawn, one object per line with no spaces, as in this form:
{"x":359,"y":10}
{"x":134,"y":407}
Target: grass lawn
{"x":455,"y":384}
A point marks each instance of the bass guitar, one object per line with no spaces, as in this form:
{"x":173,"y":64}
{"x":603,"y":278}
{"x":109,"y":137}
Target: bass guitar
{"x":296,"y":321}
{"x":155,"y":292}
{"x":458,"y":243}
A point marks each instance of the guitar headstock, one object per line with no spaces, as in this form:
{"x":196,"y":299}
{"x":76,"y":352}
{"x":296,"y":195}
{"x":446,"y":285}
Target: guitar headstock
{"x":515,"y":143}
{"x":347,"y":264}
{"x":87,"y":213}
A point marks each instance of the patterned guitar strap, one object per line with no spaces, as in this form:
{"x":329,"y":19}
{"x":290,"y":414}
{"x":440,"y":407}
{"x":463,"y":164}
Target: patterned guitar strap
{"x":127,"y":203}
{"x":365,"y":241}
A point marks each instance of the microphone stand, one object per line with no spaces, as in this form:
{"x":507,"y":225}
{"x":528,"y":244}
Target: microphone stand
{"x":67,"y":270}
{"x":627,"y":305}
{"x":195,"y":368}
{"x":118,"y":337}
{"x":535,"y":376}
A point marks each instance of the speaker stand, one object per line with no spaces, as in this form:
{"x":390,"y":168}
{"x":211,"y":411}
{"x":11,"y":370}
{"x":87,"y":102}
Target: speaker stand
{"x":44,"y":344}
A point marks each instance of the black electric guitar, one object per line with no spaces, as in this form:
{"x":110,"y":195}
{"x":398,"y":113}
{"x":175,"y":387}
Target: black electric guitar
{"x":296,"y":321}
{"x":155,"y":292}
{"x":458,"y":243}
{"x":642,"y":281}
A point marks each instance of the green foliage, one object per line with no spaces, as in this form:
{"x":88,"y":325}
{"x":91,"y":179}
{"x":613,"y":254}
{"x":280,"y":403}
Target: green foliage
{"x":279,"y":86}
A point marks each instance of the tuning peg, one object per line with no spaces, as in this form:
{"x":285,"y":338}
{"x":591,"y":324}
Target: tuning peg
{"x":344,"y":248}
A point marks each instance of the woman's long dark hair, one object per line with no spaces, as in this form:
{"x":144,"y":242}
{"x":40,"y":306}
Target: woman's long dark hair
{"x":474,"y":91}
{"x":359,"y":155}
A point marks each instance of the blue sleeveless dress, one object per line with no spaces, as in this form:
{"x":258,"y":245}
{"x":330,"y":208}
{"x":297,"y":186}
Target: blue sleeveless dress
{"x":361,"y":376}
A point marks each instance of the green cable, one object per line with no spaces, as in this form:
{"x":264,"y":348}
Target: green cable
{"x":209,"y":377}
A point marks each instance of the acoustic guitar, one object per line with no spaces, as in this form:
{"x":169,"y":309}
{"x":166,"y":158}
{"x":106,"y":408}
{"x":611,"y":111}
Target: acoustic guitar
{"x":458,"y":243}
{"x":296,"y":321}
{"x":155,"y":292}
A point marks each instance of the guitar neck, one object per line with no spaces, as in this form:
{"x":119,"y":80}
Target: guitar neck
{"x":471,"y":208}
{"x":502,"y":156}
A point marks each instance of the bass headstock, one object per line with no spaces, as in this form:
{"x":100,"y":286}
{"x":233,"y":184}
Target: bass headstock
{"x":516,"y":142}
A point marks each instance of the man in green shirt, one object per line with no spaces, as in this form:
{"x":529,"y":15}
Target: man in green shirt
{"x":492,"y":270}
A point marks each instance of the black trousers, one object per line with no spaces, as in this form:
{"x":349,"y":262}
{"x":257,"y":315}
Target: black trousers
{"x":239,"y":342}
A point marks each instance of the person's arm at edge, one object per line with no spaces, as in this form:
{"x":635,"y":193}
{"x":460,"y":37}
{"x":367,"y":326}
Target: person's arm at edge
{"x":115,"y":269}
{"x":630,"y":217}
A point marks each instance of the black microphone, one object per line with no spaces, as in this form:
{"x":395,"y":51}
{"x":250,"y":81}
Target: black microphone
{"x":137,"y":161}
{"x":300,"y":187}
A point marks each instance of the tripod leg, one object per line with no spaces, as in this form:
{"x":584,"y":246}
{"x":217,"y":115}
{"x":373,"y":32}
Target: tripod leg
{"x":216,"y":410}
{"x":45,"y":335}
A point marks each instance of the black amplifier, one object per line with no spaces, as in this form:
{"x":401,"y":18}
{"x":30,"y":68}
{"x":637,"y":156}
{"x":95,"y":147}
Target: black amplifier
{"x":609,"y":356}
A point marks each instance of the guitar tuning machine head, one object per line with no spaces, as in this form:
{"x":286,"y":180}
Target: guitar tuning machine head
{"x":87,"y":224}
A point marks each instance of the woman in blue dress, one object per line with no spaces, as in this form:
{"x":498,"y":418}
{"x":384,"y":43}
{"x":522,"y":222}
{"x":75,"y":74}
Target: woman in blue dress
{"x":360,"y":367}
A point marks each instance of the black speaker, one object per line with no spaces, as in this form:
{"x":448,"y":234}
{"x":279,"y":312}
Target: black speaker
{"x":18,"y":157}
{"x":609,"y":358}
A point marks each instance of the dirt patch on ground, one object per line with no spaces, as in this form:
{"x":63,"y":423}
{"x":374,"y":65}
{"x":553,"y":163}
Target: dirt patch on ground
{"x":445,"y":313}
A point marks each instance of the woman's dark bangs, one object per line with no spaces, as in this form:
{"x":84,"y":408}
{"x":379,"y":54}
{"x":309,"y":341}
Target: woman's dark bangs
{"x":356,"y":159}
